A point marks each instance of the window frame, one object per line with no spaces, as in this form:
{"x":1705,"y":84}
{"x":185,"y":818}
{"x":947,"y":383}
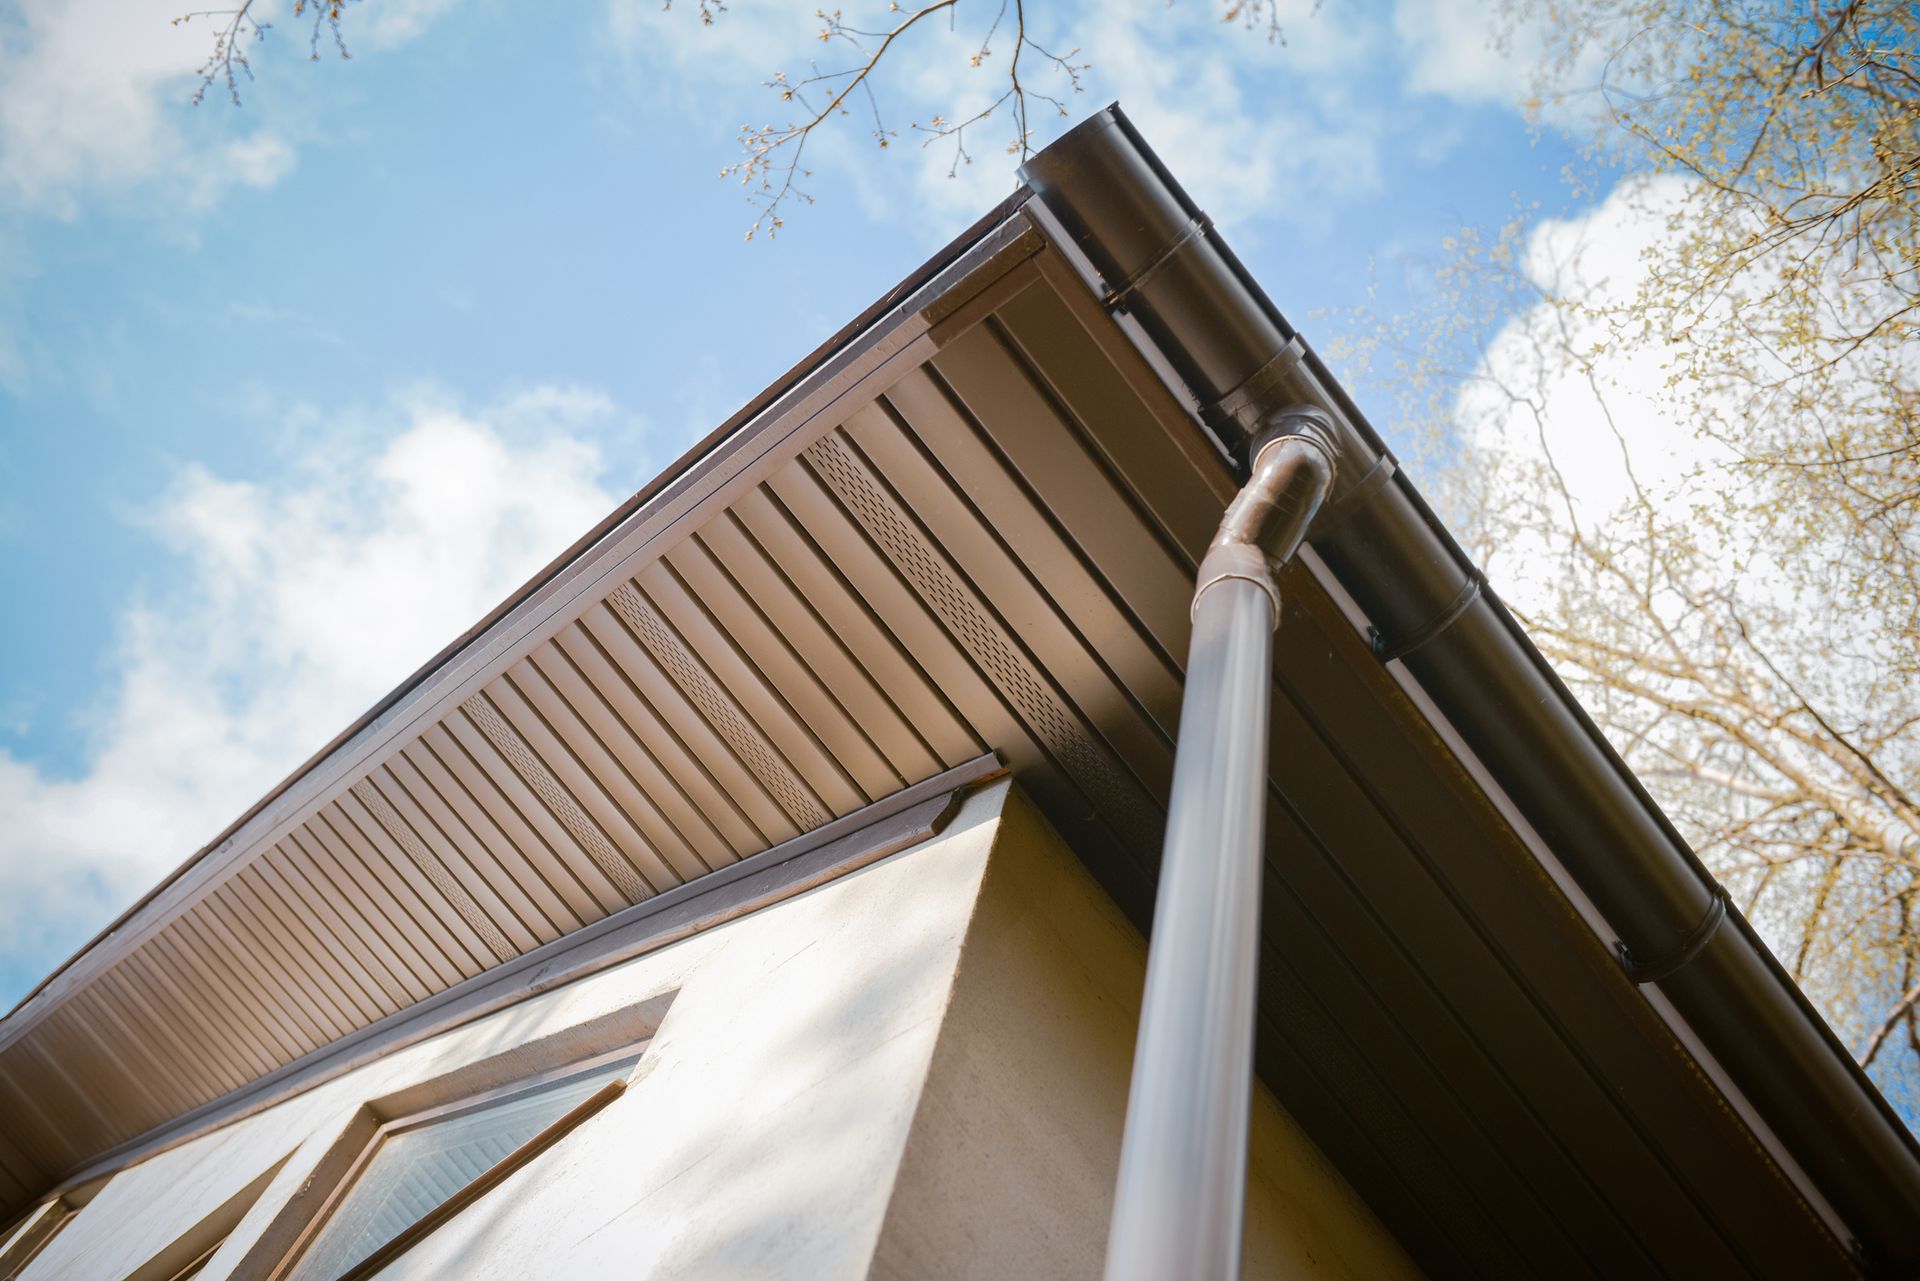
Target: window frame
{"x":194,"y":1266}
{"x":482,"y":1183}
{"x":33,"y":1234}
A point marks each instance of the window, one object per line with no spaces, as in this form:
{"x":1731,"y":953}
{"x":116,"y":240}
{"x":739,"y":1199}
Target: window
{"x":32,"y":1236}
{"x":35,"y":1232}
{"x":421,"y":1170}
{"x":199,"y":1263}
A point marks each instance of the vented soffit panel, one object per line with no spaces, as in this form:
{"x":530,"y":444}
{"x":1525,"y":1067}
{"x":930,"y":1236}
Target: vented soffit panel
{"x":968,"y":525}
{"x":671,"y":696}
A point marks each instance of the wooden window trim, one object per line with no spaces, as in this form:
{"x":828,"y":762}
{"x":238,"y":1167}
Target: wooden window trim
{"x":191,"y":1268}
{"x":889,"y":825}
{"x":483,"y":1183}
{"x":35,"y":1233}
{"x":487,"y":1181}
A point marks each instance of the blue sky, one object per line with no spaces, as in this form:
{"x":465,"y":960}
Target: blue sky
{"x":424,"y":315}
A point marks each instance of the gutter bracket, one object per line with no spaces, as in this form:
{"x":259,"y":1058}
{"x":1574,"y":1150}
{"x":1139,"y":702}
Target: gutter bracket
{"x":1388,"y":650}
{"x":1339,"y":510}
{"x":1118,"y":293}
{"x":1246,"y":405}
{"x":1675,"y":958}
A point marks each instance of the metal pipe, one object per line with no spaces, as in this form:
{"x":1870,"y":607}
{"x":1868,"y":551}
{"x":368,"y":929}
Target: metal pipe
{"x":1229,"y":349}
{"x":1183,"y":1163}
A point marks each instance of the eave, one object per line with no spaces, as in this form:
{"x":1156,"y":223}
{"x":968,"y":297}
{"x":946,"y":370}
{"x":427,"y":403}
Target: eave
{"x":969,"y":524}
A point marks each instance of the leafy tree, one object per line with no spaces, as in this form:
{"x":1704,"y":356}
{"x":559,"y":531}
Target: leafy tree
{"x":1749,"y":629}
{"x":1788,"y":289}
{"x":1693,"y":465}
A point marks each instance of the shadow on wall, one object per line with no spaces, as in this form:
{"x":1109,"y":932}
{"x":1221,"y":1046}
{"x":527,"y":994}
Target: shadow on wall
{"x":766,"y":1122}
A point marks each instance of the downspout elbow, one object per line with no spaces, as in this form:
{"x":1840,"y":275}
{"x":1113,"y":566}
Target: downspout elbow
{"x":1180,"y":1197}
{"x":1267,"y":520}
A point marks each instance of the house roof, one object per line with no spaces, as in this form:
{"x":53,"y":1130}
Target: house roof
{"x":1496,"y":988}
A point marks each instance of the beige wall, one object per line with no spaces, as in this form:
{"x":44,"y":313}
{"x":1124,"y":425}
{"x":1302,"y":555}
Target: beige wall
{"x":918,"y":1070}
{"x":1010,"y":1165}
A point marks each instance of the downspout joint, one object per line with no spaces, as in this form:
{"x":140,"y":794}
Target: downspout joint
{"x":1264,"y":525}
{"x":1180,"y":1198}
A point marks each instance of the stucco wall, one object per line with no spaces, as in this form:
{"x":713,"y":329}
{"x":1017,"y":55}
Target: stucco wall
{"x":1010,"y":1165}
{"x":916,"y":1070}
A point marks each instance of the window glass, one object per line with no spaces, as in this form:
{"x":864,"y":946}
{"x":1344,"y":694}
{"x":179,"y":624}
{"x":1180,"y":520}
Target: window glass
{"x":414,"y":1170}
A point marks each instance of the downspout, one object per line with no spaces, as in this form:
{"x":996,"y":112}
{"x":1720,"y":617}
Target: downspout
{"x":1183,"y":1164}
{"x":1171,"y":278}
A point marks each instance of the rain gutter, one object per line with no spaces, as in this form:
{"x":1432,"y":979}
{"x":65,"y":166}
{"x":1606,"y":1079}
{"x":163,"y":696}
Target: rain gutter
{"x":1169,"y":277}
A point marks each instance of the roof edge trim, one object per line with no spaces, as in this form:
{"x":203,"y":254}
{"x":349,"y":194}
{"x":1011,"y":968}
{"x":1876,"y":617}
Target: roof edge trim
{"x":906,"y":303}
{"x":1119,"y":210}
{"x":887,"y":826}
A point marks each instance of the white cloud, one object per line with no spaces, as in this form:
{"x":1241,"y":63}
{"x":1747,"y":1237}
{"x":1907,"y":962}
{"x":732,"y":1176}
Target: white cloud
{"x":1467,"y":50}
{"x":1247,"y":120}
{"x":1252,"y":127}
{"x":96,"y":110}
{"x":386,"y":24}
{"x":259,"y":160}
{"x":1587,"y":403}
{"x":749,"y":39}
{"x":1588,"y":419}
{"x":298,"y":602}
{"x":1575,"y":411}
{"x":86,"y":88}
{"x":1514,"y":55}
{"x":95,"y":98}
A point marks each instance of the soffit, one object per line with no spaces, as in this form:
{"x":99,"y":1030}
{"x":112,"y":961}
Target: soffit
{"x":1432,"y":1007}
{"x":695,"y":688}
{"x":976,"y":533}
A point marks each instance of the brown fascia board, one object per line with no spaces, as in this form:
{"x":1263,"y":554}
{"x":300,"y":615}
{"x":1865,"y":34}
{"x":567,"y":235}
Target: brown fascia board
{"x":1179,"y":290}
{"x":921,"y":300}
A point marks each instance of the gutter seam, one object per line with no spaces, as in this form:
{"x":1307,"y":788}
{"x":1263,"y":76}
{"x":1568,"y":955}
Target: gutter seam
{"x":1335,"y":513}
{"x":1670,"y":962}
{"x":1388,"y":651}
{"x":1117,"y":295}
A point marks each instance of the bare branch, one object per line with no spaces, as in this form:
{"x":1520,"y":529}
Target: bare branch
{"x":236,"y":28}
